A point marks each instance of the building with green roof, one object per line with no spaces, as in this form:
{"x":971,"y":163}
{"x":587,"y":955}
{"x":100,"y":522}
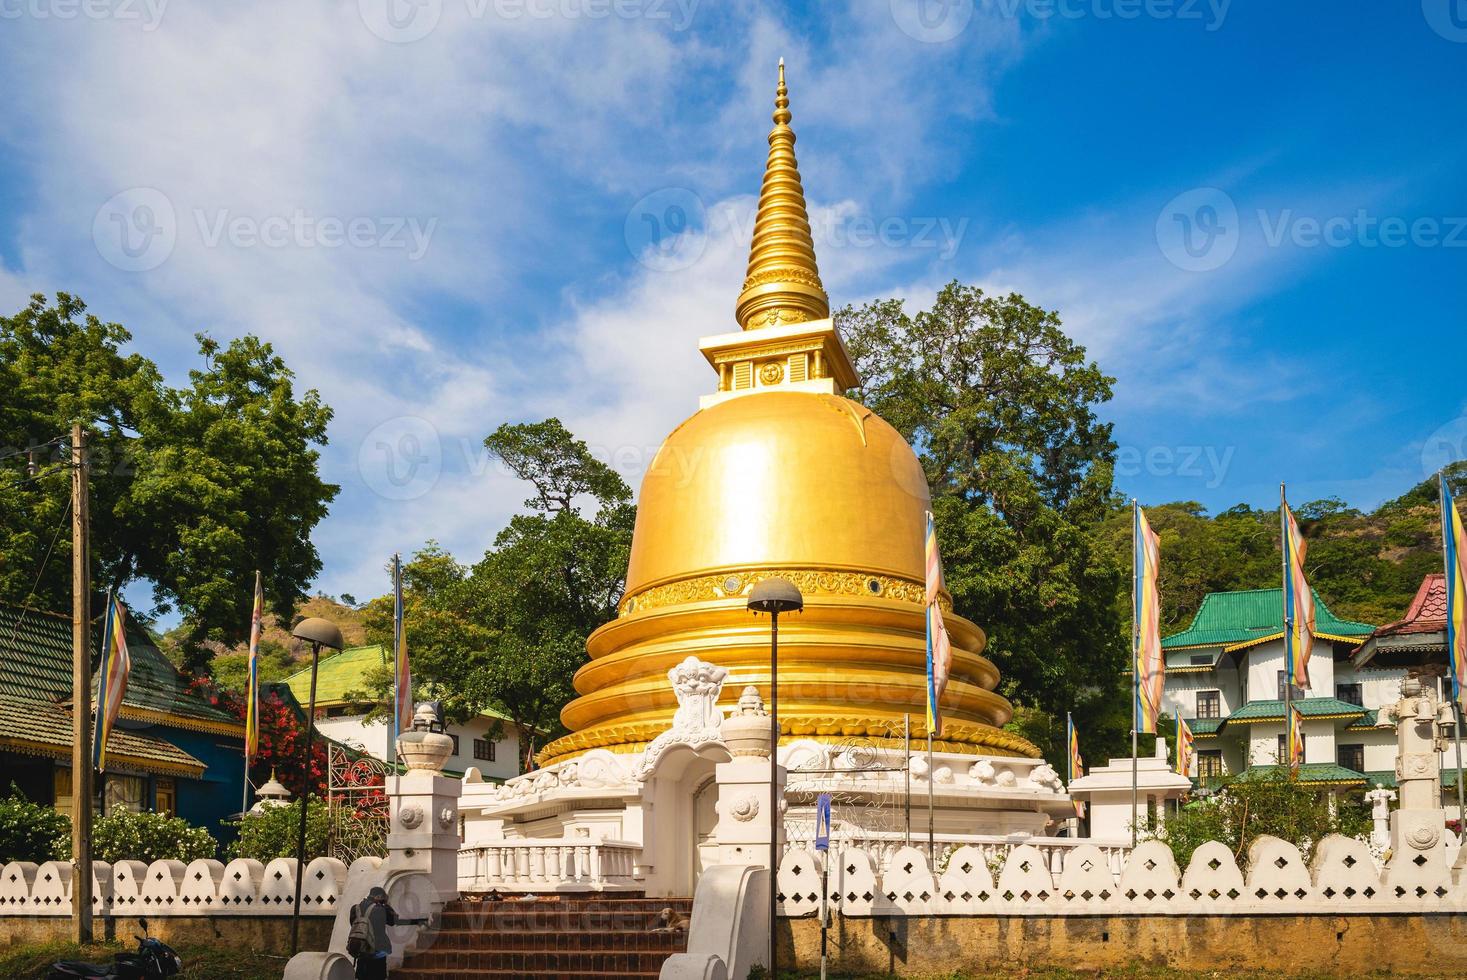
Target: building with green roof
{"x":344,"y":706}
{"x":1225,"y":677}
{"x":171,"y":751}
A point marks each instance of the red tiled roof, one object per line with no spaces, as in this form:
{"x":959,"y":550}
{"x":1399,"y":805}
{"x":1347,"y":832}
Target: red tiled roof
{"x":1428,"y":612}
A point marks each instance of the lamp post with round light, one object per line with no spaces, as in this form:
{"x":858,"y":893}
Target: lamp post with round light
{"x":318,"y":633}
{"x":774,"y":596}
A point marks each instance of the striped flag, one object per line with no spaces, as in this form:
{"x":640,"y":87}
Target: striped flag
{"x":402,"y":677}
{"x":1184,"y":748}
{"x":1454,"y":547}
{"x":939,"y":648}
{"x":252,"y":678}
{"x":1149,"y":665}
{"x":112,"y":684}
{"x":1298,"y":600}
{"x":1077,"y":764}
{"x":1295,"y":740}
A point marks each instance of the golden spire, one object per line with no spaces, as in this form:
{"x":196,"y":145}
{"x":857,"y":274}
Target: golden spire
{"x":783,"y":282}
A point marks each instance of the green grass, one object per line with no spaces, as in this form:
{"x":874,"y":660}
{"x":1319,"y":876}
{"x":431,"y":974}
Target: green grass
{"x":30,"y":961}
{"x":1128,"y":973}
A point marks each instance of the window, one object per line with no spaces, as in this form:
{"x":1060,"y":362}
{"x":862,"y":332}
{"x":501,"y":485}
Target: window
{"x":1201,"y":660}
{"x":165,"y":796}
{"x":1351,"y":757}
{"x":1209,"y":704}
{"x":455,"y":743}
{"x":484,"y":749}
{"x":1209,"y":765}
{"x":1283,"y":756}
{"x":1351,"y":693}
{"x":61,"y":790}
{"x":1298,"y":691}
{"x":122,"y":793}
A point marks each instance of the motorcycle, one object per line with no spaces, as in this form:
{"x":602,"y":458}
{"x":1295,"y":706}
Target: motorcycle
{"x":153,"y":960}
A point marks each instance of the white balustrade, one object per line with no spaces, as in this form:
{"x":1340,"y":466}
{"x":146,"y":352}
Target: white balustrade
{"x":1054,"y":852}
{"x":544,"y":865}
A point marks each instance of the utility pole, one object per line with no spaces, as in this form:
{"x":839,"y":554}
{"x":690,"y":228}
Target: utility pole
{"x":81,"y":693}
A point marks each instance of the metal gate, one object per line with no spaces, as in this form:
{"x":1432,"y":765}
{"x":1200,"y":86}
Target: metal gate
{"x":869,"y":785}
{"x":357,"y":811}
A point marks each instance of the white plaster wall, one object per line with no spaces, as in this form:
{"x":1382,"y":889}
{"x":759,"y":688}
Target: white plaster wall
{"x":1267,"y":659}
{"x":1378,"y":687}
{"x":372,"y":738}
{"x":1319,"y":742}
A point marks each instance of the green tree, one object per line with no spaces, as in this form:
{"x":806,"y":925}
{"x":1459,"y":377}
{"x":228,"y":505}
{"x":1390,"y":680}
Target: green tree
{"x":271,"y":831}
{"x":193,"y":488}
{"x":1000,"y":405}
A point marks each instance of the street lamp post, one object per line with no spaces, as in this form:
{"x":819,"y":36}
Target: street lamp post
{"x":318,"y":633}
{"x":774,"y":596}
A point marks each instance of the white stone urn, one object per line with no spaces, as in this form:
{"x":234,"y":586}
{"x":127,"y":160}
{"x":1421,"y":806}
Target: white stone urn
{"x":746,"y":729}
{"x":426,"y":747}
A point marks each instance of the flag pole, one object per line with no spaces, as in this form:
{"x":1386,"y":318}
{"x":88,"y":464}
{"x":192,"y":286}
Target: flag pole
{"x":907,"y":771}
{"x":392,"y":729}
{"x":931,"y":821}
{"x":1289,"y":653}
{"x":1135,"y":675}
{"x":252,"y":690}
{"x":1452,"y":569}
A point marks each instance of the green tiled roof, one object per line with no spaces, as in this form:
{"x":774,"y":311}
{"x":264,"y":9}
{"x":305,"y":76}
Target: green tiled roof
{"x":1369,"y":720}
{"x":35,"y":665}
{"x":44,"y":729}
{"x":337,"y":675}
{"x":1308,"y":707}
{"x":1387,"y":777}
{"x":1312,"y":772}
{"x":1228,"y":618}
{"x":1204,"y":726}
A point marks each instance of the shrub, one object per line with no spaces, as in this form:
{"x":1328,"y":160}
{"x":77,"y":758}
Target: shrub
{"x":1258,"y":804}
{"x":32,"y":831}
{"x":271,"y":832}
{"x":126,"y":836}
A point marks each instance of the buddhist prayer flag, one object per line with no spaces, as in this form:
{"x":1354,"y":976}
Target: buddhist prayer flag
{"x":252,"y":678}
{"x":1298,"y":599}
{"x":1077,"y":764}
{"x":1454,"y":546}
{"x":939,"y":648}
{"x":112,"y":683}
{"x":1148,"y":665}
{"x":1295,"y":739}
{"x":402,"y":685}
{"x":1184,"y":748}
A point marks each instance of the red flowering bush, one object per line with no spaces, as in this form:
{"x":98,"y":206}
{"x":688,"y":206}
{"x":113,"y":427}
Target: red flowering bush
{"x":282,"y":740}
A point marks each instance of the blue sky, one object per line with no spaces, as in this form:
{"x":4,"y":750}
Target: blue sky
{"x":452,"y":213}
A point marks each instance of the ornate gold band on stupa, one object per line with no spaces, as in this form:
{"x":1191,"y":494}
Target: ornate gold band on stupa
{"x":810,"y":581}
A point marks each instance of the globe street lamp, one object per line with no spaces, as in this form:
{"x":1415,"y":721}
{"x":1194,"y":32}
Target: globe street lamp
{"x":774,"y":596}
{"x":318,"y":633}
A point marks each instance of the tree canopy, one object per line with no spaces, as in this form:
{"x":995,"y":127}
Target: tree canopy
{"x":1000,"y":405}
{"x":192,"y":488}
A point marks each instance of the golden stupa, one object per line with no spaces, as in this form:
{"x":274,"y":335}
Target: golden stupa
{"x":778,"y":475}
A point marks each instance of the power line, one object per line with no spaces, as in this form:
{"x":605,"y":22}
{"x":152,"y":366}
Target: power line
{"x":39,"y":446}
{"x":25,"y":607}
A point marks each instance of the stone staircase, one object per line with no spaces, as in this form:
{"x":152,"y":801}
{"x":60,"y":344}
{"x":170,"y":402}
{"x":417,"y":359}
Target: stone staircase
{"x":602,"y":935}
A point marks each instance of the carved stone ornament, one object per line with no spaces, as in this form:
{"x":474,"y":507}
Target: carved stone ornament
{"x":445,"y":818}
{"x":410,"y":816}
{"x":698,"y":720}
{"x":745,"y":808}
{"x":746,"y":729}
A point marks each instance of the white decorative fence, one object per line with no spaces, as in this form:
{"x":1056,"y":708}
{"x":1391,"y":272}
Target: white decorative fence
{"x":883,"y":846}
{"x":205,"y":887}
{"x":1343,"y":879}
{"x":566,"y":864}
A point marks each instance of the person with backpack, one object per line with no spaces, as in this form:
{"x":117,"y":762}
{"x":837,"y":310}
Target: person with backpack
{"x":368,"y":943}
